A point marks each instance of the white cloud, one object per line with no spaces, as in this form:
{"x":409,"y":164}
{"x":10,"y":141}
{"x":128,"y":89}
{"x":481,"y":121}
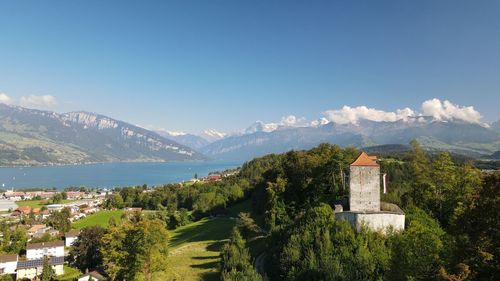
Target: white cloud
{"x":435,"y":108}
{"x":289,"y":121}
{"x":292,"y":121}
{"x":33,"y":101}
{"x":348,"y":114}
{"x":6,"y":99}
{"x":447,"y":111}
{"x":321,"y":121}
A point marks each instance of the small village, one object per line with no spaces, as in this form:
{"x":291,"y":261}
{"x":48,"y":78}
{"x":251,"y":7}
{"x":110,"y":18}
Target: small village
{"x":31,"y":219}
{"x":30,"y":211}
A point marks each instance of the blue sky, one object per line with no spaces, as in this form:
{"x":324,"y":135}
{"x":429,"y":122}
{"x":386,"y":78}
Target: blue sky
{"x":191,"y":65}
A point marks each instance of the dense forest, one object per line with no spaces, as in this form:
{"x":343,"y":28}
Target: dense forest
{"x":452,"y":214}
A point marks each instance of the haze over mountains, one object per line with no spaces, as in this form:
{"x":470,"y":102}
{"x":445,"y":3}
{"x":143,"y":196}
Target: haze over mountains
{"x":34,"y":137}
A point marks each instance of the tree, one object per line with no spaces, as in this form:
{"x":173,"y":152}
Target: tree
{"x":247,"y":225}
{"x":46,"y":237}
{"x":138,"y":247}
{"x":86,"y":251}
{"x":57,"y":198}
{"x":6,"y":277}
{"x":478,"y":230}
{"x":47,"y":271}
{"x":420,"y":167}
{"x":14,"y":241}
{"x":60,"y":219}
{"x":416,"y":251}
{"x":117,"y":201}
{"x":235,"y":260}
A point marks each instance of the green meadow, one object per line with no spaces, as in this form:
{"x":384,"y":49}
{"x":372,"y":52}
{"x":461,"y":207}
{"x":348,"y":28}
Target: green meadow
{"x":100,"y":218}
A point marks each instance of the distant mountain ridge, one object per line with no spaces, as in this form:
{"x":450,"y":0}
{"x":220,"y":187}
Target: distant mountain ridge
{"x":189,"y":140}
{"x":455,"y":136}
{"x":31,"y":137}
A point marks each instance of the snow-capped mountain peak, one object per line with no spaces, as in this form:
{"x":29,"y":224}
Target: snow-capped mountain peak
{"x":212,"y":135}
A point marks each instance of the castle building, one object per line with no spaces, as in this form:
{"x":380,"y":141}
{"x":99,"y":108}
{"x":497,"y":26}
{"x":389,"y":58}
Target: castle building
{"x":365,"y":208}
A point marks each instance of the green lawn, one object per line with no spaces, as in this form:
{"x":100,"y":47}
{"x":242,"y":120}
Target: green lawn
{"x":39,"y":203}
{"x":100,"y":218}
{"x":70,"y":274}
{"x":194,"y":250}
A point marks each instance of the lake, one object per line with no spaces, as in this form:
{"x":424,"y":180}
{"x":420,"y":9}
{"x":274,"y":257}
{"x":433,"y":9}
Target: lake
{"x":107,"y":175}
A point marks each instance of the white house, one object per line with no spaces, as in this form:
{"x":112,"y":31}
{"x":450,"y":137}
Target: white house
{"x":8,"y":264}
{"x":36,"y":251}
{"x":33,"y":268}
{"x":71,"y":237}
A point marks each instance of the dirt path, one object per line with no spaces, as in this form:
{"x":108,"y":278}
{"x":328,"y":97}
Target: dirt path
{"x":259,"y":264}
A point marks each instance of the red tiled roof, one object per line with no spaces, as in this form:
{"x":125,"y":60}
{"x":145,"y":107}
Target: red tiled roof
{"x":24,"y":209}
{"x":365,"y":160}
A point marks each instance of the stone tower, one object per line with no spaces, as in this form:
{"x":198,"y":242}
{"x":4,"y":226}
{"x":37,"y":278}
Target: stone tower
{"x":364,"y":184}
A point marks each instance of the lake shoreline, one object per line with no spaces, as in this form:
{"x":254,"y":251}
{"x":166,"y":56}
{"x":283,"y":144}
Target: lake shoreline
{"x":100,"y":162}
{"x":108,"y":175}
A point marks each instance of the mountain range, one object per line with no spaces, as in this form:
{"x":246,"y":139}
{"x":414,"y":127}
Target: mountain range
{"x":35,"y":137}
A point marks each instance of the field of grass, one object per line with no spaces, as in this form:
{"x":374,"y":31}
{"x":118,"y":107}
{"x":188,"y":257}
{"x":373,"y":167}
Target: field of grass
{"x":194,"y":250}
{"x":39,"y":203}
{"x":100,"y":218}
{"x":70,"y":274}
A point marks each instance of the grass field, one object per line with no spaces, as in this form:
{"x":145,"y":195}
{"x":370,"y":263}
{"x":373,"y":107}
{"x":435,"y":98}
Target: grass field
{"x":39,"y":203}
{"x":194,"y":250}
{"x":100,"y":218}
{"x":70,"y":274}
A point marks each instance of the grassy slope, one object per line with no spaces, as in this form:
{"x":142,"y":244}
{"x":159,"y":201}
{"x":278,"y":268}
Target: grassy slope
{"x":38,"y":203}
{"x":100,"y":218}
{"x":194,"y":250}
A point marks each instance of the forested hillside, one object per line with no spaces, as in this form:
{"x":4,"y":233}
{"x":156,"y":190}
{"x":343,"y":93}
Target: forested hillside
{"x":285,"y":227}
{"x":451,"y":214}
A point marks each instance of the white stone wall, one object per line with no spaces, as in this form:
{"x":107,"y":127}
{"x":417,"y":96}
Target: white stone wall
{"x":364,"y":188}
{"x":379,"y":221}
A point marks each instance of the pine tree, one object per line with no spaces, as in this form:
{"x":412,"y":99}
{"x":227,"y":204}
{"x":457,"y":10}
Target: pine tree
{"x":47,"y":271}
{"x":235,"y":260}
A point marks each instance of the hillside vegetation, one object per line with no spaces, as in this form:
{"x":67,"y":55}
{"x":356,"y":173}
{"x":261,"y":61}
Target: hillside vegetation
{"x":286,"y":226}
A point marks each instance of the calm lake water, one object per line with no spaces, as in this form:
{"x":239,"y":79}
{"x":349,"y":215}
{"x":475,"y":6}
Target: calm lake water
{"x":108,"y":175}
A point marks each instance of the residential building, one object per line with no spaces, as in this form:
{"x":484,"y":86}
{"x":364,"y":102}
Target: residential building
{"x":8,"y":264}
{"x":33,"y":268}
{"x":70,"y":237}
{"x":22,"y":211}
{"x":73,"y":195}
{"x":36,"y":251}
{"x":37,"y":229}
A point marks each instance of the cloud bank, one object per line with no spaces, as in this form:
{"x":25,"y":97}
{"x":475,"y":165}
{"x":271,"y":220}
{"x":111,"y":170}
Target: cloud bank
{"x":44,"y":101}
{"x":31,"y":101}
{"x":5,"y":99}
{"x":352,"y":115}
{"x":435,"y":108}
{"x":447,"y":111}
